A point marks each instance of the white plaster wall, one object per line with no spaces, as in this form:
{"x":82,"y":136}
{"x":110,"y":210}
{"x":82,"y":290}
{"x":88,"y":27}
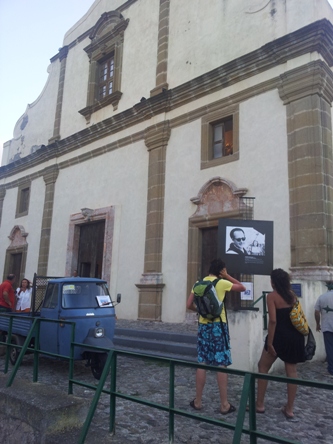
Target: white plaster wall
{"x":118,"y":178}
{"x":262,"y":168}
{"x":140,"y":53}
{"x":209,"y":30}
{"x":138,"y":69}
{"x":31,"y":223}
{"x":41,"y":113}
{"x":246,"y":339}
{"x":75,"y":90}
{"x":264,"y":159}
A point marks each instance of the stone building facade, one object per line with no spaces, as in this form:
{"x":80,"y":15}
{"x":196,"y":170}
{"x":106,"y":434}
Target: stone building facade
{"x":156,"y":121}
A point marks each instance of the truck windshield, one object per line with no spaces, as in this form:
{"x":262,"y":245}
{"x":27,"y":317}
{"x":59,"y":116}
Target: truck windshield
{"x":84,"y":295}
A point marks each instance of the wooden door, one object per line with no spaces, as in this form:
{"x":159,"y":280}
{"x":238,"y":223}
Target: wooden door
{"x":91,"y":246}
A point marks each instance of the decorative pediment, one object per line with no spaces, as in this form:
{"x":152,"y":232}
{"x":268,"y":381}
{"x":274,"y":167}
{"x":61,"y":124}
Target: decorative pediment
{"x":18,"y":236}
{"x":218,"y":196}
{"x":108,"y":27}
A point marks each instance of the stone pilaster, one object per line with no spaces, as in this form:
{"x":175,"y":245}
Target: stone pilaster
{"x":151,"y":284}
{"x":2,"y":198}
{"x":162,"y":49}
{"x":57,"y":121}
{"x":50,"y":177}
{"x":307,"y":93}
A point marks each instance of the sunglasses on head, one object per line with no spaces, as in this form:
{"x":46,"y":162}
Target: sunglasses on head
{"x":238,"y":239}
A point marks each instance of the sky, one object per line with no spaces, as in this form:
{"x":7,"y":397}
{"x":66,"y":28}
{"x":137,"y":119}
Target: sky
{"x":31,"y":32}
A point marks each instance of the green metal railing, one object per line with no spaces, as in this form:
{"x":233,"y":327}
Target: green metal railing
{"x":247,"y":398}
{"x":264,"y":307}
{"x":34,"y":332}
{"x":247,"y":395}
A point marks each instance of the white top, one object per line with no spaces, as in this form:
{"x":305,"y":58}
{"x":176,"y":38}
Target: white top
{"x":23,"y":299}
{"x":324,"y":304}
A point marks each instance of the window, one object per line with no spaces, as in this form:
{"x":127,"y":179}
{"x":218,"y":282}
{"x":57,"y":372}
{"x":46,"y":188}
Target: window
{"x":219,"y":139}
{"x":106,"y":77}
{"x":51,"y":296}
{"x":105,"y":62}
{"x":222,"y":143}
{"x":23,"y":198}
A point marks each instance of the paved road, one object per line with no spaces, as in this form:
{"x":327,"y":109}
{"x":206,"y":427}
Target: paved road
{"x":136,"y":423}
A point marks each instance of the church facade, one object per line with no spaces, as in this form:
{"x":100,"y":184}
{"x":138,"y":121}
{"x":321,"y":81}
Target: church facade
{"x":158,"y":120}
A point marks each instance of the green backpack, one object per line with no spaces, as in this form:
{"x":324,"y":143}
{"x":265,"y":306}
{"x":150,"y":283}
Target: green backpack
{"x":205,"y":298}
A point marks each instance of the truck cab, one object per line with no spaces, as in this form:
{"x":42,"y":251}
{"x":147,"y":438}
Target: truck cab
{"x":84,"y":301}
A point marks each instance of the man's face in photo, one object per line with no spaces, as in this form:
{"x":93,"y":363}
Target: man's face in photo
{"x":239,"y":239}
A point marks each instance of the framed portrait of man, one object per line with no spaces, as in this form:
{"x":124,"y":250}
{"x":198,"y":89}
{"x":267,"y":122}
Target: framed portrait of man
{"x":246,"y":245}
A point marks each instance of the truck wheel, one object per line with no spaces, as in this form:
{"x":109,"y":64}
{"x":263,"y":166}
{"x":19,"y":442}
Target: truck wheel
{"x":15,"y":351}
{"x":97,"y":364}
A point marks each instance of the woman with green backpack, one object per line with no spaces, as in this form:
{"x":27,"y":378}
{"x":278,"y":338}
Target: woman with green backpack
{"x":213,"y":336}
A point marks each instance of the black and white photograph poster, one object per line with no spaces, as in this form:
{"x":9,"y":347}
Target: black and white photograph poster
{"x":246,"y":245}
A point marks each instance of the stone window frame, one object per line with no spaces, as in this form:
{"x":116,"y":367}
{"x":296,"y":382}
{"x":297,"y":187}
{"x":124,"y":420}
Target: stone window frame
{"x":107,"y":39}
{"x":207,"y":122}
{"x":18,"y":245}
{"x":21,"y":188}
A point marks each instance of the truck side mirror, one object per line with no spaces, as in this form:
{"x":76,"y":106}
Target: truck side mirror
{"x":118,"y":298}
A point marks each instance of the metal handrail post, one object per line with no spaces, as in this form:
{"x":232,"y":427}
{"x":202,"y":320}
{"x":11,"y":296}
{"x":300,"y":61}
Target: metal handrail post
{"x":71,"y":360}
{"x":171,"y":402}
{"x":9,"y":340}
{"x":36,"y":349}
{"x":246,"y":394}
{"x":264,"y":309}
{"x":113,"y":397}
{"x":95,"y":400}
{"x":22,"y":353}
{"x":252,"y":411}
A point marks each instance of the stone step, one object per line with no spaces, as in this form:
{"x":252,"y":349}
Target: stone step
{"x":33,"y":412}
{"x":159,"y":343}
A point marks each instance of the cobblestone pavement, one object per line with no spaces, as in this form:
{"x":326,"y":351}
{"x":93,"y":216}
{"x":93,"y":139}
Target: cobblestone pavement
{"x":136,"y":423}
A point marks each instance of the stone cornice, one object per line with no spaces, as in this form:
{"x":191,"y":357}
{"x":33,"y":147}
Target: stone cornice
{"x":317,"y":37}
{"x":63,"y":53}
{"x":157,"y":135}
{"x":313,"y":78}
{"x":312,"y":273}
{"x":50,"y":174}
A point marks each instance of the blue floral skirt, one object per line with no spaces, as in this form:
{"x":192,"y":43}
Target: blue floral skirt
{"x":214,"y":344}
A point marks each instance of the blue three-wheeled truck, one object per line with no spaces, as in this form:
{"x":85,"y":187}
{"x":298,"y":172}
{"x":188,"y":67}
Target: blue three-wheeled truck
{"x":85,"y":301}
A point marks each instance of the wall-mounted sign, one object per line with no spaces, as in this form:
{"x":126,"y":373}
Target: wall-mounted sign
{"x":247,"y":295}
{"x":297,"y":289}
{"x":246,"y":246}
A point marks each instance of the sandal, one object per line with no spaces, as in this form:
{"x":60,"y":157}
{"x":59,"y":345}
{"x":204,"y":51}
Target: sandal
{"x":231,"y":410}
{"x":286,"y":414}
{"x":192,"y":404}
{"x":257,"y":410}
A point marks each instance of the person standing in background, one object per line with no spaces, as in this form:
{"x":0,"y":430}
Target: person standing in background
{"x":23,"y":296}
{"x":324,"y":313}
{"x":7,"y":294}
